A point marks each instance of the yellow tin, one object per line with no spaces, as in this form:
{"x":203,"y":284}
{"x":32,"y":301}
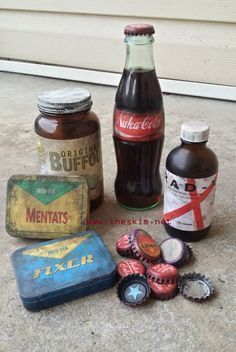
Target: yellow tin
{"x":46,"y":206}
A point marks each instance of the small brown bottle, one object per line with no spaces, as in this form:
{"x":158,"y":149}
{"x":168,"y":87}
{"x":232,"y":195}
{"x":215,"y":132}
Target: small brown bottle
{"x":191,"y":173}
{"x":69,"y":140}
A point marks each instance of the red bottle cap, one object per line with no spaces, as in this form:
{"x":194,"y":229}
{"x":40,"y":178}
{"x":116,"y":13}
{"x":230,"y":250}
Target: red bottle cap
{"x":139,"y":29}
{"x":130,"y":266}
{"x":143,"y":246}
{"x":123,"y":247}
{"x":163,"y":273}
{"x":163,"y":291}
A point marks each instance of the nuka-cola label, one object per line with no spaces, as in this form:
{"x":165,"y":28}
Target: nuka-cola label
{"x":132,"y":126}
{"x":188,"y":202}
{"x":81,"y":156}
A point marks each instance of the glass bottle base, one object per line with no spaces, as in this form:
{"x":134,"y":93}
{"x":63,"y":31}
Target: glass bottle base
{"x":186,"y":236}
{"x":139,"y":209}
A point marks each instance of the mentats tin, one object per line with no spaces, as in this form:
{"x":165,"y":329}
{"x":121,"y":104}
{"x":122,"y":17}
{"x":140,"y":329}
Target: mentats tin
{"x":46,"y":206}
{"x":57,"y":271}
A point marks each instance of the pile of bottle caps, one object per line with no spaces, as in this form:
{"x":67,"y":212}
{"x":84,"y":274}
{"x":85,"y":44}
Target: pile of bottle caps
{"x":153,"y":270}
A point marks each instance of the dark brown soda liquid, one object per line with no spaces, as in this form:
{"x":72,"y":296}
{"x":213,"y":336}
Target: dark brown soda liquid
{"x":191,"y":160}
{"x":138,"y":183}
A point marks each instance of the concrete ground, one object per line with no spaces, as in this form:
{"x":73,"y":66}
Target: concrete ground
{"x":100,"y":322}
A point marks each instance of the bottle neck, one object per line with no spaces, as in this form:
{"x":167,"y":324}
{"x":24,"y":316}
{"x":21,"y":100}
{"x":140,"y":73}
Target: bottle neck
{"x":139,"y":53}
{"x":193,"y":145}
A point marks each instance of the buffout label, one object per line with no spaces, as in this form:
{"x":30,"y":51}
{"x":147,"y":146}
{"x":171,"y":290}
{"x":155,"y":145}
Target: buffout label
{"x":81,"y":156}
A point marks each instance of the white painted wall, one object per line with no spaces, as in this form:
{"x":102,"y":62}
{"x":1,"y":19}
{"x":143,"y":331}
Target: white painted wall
{"x":195,"y":39}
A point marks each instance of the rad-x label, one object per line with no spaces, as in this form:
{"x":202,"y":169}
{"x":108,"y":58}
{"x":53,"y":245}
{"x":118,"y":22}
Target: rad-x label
{"x":188,"y":202}
{"x":132,"y":126}
{"x":81,"y":156}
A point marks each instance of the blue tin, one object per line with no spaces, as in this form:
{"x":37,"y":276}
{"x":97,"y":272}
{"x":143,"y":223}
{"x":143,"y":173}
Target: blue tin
{"x":58,"y":271}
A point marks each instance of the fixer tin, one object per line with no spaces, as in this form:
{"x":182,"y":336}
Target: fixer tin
{"x":57,"y":271}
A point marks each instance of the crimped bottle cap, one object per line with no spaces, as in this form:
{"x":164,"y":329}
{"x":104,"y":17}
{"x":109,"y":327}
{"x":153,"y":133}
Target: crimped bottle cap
{"x":173,"y":251}
{"x":123,"y":247}
{"x":133,"y":290}
{"x":195,"y":286}
{"x":143,"y":246}
{"x":163,"y":291}
{"x":163,"y":273}
{"x":139,"y":29}
{"x":130,"y":266}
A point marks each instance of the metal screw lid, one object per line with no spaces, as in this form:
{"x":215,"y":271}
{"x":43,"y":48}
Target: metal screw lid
{"x":194,"y":131}
{"x":64,"y":101}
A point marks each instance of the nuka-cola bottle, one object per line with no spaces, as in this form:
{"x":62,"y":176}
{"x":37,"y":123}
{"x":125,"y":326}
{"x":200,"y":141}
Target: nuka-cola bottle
{"x":191,"y":173}
{"x":138,"y":123}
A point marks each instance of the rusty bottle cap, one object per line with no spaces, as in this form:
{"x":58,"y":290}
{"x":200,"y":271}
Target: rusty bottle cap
{"x":163,"y":273}
{"x":133,"y":290}
{"x":174,"y":251}
{"x":196,"y":287}
{"x":130,"y":266}
{"x":123,"y":247}
{"x":143,"y":246}
{"x":163,"y":291}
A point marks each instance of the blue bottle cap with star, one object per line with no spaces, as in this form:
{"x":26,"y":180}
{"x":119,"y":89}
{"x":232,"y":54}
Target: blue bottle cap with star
{"x":133,"y":290}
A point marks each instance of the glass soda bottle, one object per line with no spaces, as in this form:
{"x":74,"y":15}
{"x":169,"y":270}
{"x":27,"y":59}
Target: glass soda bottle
{"x":138,"y":123}
{"x":191,"y":173}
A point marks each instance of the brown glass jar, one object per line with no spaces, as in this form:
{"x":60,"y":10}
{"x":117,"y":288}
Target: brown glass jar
{"x":69,"y":138}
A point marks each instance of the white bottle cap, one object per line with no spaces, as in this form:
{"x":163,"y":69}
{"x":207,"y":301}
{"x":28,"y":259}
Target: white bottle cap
{"x":194,"y":131}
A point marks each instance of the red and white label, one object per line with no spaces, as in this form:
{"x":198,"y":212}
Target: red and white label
{"x":130,"y":266}
{"x":188,"y":202}
{"x":132,"y":126}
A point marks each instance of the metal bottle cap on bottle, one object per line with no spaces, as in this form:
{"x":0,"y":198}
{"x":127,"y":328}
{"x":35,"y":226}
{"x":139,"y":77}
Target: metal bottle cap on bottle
{"x":139,"y":29}
{"x":194,"y":131}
